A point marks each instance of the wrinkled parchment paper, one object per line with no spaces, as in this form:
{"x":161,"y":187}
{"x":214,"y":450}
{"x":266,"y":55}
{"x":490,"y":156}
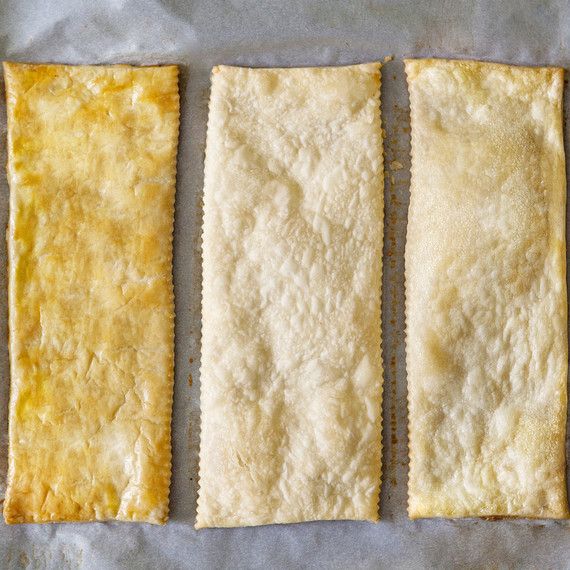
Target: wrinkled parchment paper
{"x":198,"y":35}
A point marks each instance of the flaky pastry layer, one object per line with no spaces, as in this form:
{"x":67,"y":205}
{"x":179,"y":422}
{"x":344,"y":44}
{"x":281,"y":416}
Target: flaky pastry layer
{"x":91,"y":167}
{"x":291,"y":371}
{"x":486,"y":291}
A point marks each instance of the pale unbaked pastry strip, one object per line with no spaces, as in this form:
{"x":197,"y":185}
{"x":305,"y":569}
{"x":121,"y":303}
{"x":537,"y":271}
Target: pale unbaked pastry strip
{"x":91,"y":168}
{"x":291,"y":371}
{"x":486,"y":291}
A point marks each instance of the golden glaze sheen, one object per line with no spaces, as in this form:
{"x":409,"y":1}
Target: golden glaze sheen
{"x":486,"y":291}
{"x":91,"y":167}
{"x":291,"y":365}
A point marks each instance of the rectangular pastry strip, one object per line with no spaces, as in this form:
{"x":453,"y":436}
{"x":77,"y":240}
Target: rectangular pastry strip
{"x":91,"y":168}
{"x":291,"y":366}
{"x":486,"y":291}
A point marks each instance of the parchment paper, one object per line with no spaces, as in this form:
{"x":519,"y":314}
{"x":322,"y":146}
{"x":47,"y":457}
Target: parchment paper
{"x":198,"y":35}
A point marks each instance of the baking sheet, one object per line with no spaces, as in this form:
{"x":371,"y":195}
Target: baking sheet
{"x":198,"y":35}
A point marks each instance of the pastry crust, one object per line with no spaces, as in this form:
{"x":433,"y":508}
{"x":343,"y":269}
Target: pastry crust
{"x":486,"y":291}
{"x":291,"y":368}
{"x":91,"y":167}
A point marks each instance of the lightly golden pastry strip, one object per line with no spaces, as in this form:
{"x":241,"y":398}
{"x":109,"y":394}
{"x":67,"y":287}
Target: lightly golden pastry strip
{"x":91,"y":167}
{"x":291,"y":367}
{"x":486,"y":291}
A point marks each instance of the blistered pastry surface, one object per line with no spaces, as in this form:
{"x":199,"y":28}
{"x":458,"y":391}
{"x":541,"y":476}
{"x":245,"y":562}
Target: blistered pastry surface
{"x":291,"y":365}
{"x":486,"y":291}
{"x":92,"y":158}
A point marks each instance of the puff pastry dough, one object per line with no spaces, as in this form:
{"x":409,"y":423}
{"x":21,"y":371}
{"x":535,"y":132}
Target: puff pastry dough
{"x":291,"y":364}
{"x":486,"y":291}
{"x":91,"y":167}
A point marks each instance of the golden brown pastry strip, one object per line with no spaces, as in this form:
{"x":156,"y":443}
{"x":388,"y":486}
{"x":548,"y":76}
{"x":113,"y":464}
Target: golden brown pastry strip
{"x":91,"y":167}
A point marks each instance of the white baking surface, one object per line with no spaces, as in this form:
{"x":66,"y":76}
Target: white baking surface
{"x":198,"y":35}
